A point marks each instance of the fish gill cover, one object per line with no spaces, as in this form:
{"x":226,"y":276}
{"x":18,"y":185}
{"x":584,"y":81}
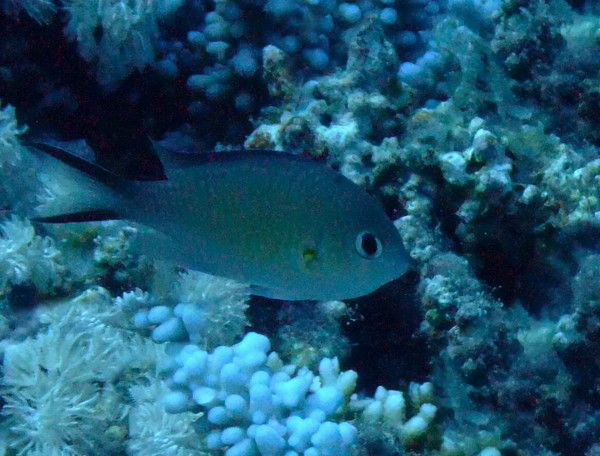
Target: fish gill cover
{"x":475,"y":124}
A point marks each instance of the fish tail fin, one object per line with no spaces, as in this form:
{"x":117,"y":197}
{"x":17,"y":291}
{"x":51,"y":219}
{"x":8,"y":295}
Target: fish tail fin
{"x":76,"y":190}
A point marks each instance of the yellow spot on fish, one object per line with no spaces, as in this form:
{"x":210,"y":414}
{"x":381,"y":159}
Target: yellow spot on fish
{"x":309,"y":254}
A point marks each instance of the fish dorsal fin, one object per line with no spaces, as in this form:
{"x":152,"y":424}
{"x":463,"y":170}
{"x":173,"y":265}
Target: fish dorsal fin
{"x":173,"y":160}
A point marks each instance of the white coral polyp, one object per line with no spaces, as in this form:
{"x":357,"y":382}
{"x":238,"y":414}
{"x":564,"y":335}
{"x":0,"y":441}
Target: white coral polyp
{"x":25,"y":256}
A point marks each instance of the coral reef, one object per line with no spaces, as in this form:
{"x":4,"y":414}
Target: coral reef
{"x":28,"y":258}
{"x":65,"y":389}
{"x":257,"y":405}
{"x":206,"y":310}
{"x":474,"y":123}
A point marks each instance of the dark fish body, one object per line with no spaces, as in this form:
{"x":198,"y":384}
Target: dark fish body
{"x":289,"y":226}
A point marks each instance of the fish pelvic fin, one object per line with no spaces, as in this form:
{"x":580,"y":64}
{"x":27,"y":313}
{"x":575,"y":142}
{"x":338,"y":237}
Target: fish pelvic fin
{"x":76,"y":190}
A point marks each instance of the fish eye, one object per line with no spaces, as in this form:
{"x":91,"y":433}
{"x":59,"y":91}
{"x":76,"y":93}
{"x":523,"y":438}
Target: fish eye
{"x":368,"y":245}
